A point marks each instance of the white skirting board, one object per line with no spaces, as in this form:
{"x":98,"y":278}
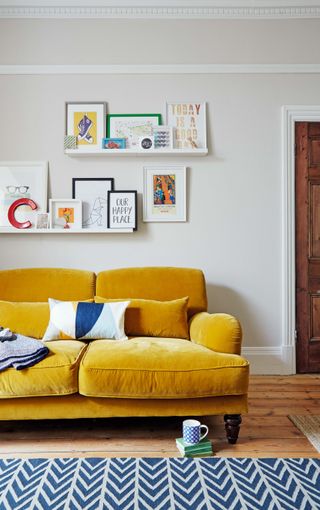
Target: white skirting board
{"x":270,"y":360}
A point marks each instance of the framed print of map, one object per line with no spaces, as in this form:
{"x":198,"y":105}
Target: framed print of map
{"x":132,"y":126}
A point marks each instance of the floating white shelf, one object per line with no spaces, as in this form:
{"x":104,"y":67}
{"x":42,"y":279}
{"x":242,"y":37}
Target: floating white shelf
{"x":79,"y":153}
{"x":4,"y":230}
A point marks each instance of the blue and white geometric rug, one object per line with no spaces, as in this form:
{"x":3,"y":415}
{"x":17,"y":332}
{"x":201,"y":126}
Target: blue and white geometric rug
{"x":166,"y":484}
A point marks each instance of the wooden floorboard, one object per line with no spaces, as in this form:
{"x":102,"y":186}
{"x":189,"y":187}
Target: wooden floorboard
{"x":265,"y":432}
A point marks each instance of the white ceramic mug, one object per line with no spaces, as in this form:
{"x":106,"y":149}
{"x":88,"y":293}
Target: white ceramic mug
{"x":192,"y":431}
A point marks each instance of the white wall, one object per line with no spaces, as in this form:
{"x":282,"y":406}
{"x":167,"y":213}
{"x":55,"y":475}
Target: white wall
{"x":234,"y":195}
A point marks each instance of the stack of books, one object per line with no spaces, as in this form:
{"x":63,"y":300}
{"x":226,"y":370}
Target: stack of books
{"x":201,"y":449}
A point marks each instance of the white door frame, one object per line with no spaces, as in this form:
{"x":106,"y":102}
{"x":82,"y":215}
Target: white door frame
{"x":290,"y":115}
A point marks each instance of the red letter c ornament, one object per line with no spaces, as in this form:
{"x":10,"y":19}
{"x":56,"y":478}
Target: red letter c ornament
{"x":12,"y":210}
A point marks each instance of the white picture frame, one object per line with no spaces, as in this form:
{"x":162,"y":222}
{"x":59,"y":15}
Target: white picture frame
{"x":93,"y":192}
{"x":23,"y":179}
{"x":164,"y":193}
{"x":65,"y":211}
{"x":189,"y":122}
{"x":163,"y":137}
{"x":86,"y":121}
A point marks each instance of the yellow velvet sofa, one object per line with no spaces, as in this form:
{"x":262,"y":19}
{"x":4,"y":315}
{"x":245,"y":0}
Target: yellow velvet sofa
{"x":144,"y":376}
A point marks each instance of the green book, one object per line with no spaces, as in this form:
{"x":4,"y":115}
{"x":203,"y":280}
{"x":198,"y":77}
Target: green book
{"x":209,"y":454}
{"x":204,"y":444}
{"x":203,"y":452}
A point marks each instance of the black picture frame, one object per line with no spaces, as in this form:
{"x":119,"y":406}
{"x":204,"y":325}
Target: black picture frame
{"x":131,"y":192}
{"x":104,"y":220}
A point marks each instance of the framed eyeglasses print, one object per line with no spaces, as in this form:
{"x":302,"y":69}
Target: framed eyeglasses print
{"x":23,"y":180}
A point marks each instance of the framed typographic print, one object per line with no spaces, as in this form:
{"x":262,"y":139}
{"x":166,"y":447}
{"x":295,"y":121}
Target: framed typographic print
{"x":189,"y":124}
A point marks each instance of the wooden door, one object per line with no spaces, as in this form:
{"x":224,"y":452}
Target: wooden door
{"x":307,"y":170}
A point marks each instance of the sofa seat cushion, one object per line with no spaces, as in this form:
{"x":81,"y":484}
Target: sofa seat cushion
{"x":149,"y":367}
{"x":57,"y":374}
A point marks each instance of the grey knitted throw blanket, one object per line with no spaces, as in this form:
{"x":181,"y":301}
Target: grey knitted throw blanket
{"x":19,"y":351}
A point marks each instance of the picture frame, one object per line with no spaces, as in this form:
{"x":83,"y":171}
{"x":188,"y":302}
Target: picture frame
{"x":86,"y":121}
{"x":42,"y":221}
{"x":189,"y":123}
{"x":163,"y":137}
{"x":164,"y":194}
{"x":131,"y":126}
{"x":123,"y":210}
{"x":23,"y":179}
{"x":113,"y":143}
{"x":93,"y":193}
{"x":65,"y":214}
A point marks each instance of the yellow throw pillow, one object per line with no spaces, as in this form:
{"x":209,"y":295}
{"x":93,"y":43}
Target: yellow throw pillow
{"x":29,"y":319}
{"x":146,"y":317}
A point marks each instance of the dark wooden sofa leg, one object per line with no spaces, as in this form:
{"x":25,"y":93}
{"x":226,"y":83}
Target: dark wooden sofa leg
{"x":232,"y":424}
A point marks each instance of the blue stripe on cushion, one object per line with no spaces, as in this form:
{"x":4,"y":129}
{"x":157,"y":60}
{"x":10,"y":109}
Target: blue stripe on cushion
{"x":86,"y":317}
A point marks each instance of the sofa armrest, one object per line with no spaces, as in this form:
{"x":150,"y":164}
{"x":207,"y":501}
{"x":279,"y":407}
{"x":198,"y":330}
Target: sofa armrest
{"x":217,"y":331}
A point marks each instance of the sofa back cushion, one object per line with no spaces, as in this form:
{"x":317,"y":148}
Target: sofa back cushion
{"x":26,"y":318}
{"x":37,"y":285}
{"x":157,"y":283}
{"x":29,"y":319}
{"x":147,"y":317}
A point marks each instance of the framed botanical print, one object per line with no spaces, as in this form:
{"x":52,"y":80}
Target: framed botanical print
{"x":189,"y":124}
{"x":23,"y":180}
{"x":93,"y":192}
{"x":65,"y":214}
{"x":164,"y":193}
{"x":132,"y":127}
{"x":86,"y":121}
{"x":122,"y":212}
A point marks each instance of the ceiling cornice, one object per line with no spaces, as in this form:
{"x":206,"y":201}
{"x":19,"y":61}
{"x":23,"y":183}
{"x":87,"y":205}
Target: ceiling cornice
{"x":162,"y":12}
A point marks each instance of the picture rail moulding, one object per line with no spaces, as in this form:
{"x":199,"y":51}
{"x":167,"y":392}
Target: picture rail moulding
{"x":35,"y":69}
{"x":164,"y":12}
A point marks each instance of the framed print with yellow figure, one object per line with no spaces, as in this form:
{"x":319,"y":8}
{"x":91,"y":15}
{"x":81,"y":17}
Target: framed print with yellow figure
{"x":86,"y":121}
